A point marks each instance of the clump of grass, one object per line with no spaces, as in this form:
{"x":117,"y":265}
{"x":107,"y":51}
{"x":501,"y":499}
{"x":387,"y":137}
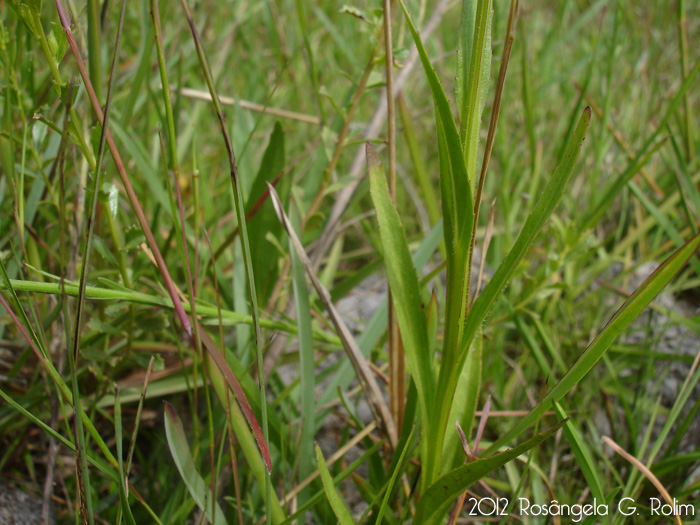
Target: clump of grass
{"x":188,"y":267}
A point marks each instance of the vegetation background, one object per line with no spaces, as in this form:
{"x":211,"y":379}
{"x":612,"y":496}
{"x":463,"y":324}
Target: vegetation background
{"x":92,"y":301}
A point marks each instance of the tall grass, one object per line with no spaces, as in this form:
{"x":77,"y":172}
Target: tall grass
{"x":180,"y":215}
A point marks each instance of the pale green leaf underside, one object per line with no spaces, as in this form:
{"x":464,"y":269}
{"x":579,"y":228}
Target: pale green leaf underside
{"x":180,"y":450}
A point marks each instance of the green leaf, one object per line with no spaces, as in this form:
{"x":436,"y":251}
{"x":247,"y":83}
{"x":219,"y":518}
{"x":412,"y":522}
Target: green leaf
{"x":539,"y":215}
{"x":463,"y":408}
{"x":473,"y":74}
{"x":403,"y":283}
{"x":458,"y":219}
{"x":123,"y":498}
{"x":583,"y":454}
{"x":180,"y":450}
{"x":306,"y":361}
{"x":457,"y":201}
{"x":395,"y":475}
{"x":339,"y":508}
{"x":444,"y":491}
{"x":263,"y":255}
{"x":629,"y":311}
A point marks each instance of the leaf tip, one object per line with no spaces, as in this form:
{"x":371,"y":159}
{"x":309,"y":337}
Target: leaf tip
{"x":169,"y":410}
{"x":588,"y":112}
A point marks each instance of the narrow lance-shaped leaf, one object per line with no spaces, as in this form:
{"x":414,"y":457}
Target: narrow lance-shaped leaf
{"x":536,"y":219}
{"x":306,"y":361}
{"x":473,"y":74}
{"x":179,"y":448}
{"x":629,"y":311}
{"x":458,"y":208}
{"x":339,"y":508}
{"x":583,"y":455}
{"x":444,"y":491}
{"x":463,"y":407}
{"x":403,"y":283}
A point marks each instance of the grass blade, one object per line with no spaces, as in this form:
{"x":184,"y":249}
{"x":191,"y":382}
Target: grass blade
{"x":123,"y":498}
{"x":583,"y":455}
{"x":442,"y":493}
{"x":395,"y":475}
{"x":458,"y":218}
{"x":629,"y":311}
{"x":541,"y":212}
{"x":339,"y":508}
{"x":451,"y":370}
{"x":457,"y":202}
{"x":306,"y":364}
{"x":180,"y":450}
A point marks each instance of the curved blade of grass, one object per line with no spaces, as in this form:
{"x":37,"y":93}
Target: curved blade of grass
{"x":629,"y":311}
{"x":536,"y":219}
{"x":443,"y":492}
{"x":395,"y":475}
{"x":179,"y":448}
{"x":306,"y":362}
{"x":339,"y":509}
{"x":301,"y":511}
{"x":583,"y":455}
{"x":403,"y":283}
{"x":123,"y":498}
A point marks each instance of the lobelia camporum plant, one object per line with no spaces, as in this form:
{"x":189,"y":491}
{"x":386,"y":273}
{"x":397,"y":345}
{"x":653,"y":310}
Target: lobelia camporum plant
{"x":448,"y":386}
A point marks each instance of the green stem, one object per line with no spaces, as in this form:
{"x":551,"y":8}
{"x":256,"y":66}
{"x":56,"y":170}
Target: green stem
{"x":94,"y":58}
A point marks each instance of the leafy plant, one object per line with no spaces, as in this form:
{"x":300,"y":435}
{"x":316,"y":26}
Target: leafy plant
{"x":198,"y":248}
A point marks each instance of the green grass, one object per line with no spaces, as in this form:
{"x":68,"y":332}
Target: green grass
{"x":189,"y":253}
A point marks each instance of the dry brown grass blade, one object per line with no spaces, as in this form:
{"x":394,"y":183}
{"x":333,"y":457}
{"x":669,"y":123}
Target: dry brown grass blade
{"x":359,"y":363}
{"x":644,"y":470}
{"x":252,"y":106}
